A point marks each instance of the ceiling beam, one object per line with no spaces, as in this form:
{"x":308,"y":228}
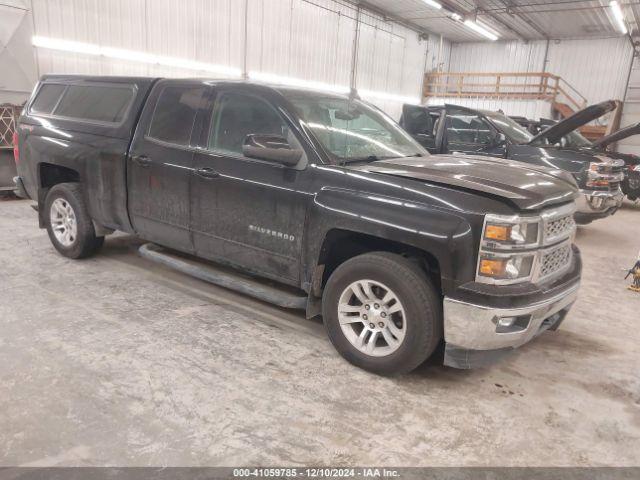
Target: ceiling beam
{"x":466,"y":14}
{"x":509,"y":5}
{"x":390,"y":16}
{"x":482,"y":10}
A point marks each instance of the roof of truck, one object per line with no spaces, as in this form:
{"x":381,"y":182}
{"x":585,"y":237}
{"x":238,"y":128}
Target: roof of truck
{"x":284,"y":89}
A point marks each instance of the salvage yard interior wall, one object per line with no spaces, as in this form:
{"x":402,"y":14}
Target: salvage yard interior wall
{"x":596,"y":68}
{"x":18,"y":72}
{"x":300,"y":40}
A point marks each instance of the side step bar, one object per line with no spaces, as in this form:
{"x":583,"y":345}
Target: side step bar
{"x":209,"y":273}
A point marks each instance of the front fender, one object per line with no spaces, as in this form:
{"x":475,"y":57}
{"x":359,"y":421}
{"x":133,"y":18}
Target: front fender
{"x":444,"y":234}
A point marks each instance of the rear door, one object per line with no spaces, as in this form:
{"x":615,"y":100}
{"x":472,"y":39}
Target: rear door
{"x":422,"y":124}
{"x":246,"y":212}
{"x":161,"y":163}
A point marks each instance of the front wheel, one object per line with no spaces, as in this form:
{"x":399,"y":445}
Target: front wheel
{"x":68,"y":222}
{"x":382,"y":313}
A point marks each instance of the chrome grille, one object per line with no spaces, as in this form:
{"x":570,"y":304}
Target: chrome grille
{"x":555,"y":261}
{"x":560,"y":227}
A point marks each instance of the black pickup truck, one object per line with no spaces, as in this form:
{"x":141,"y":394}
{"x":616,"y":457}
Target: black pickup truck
{"x":401,"y":252}
{"x":455,"y":129}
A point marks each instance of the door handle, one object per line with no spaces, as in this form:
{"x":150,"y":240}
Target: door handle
{"x":142,"y":160}
{"x":207,"y":173}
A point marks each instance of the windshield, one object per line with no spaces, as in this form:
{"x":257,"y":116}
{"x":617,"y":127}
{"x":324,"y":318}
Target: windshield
{"x":352,"y":131}
{"x":574,"y":140}
{"x":512,"y":129}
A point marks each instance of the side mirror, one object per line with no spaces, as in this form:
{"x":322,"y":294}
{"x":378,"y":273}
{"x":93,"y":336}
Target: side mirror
{"x":272,"y":148}
{"x":499,"y":140}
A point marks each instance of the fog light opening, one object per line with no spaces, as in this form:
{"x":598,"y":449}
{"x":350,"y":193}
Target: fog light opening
{"x":512,"y":324}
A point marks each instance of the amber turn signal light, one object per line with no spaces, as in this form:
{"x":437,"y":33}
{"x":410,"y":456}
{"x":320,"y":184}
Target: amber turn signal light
{"x":492,"y":268}
{"x":497,"y":232}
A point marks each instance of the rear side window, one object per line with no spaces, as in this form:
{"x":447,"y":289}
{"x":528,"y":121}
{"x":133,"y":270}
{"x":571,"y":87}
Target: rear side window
{"x":175,"y":114}
{"x":47,"y":98}
{"x":95,"y":103}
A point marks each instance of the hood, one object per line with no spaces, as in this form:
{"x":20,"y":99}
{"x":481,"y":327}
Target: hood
{"x":527,"y":186}
{"x":617,"y":136}
{"x":554,"y":133}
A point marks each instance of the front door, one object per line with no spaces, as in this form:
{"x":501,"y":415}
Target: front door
{"x":246,"y":212}
{"x":161,"y":162}
{"x":422,"y":124}
{"x":468,"y":132}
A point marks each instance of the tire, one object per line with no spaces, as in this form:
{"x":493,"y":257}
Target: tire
{"x":76,"y":236}
{"x":420,"y":315}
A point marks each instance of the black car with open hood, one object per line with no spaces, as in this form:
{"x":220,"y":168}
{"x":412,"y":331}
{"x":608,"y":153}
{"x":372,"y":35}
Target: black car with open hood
{"x":462,"y":130}
{"x":574,"y":140}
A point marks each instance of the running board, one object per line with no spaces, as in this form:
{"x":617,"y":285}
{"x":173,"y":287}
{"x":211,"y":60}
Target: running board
{"x":209,"y":273}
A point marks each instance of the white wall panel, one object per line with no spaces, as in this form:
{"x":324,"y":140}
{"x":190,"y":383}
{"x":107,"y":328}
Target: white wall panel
{"x":303,"y":39}
{"x":297,"y":39}
{"x":438,"y":57}
{"x":596,"y":68}
{"x":631,"y":112}
{"x":497,"y":57}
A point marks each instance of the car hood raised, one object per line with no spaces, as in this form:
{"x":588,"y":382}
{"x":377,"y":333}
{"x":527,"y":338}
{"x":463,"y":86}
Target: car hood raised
{"x":527,"y":186}
{"x":617,"y":136}
{"x":554,"y":133}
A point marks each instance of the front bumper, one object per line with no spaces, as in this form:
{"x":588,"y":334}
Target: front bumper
{"x":474,"y":336}
{"x":594,"y":204}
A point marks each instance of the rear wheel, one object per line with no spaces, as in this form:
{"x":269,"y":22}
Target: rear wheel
{"x":68,"y":222}
{"x":382,"y":313}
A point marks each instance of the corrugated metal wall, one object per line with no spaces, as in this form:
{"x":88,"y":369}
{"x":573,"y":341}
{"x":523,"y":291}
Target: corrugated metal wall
{"x":303,"y":39}
{"x":598,"y":69}
{"x":631,"y":112}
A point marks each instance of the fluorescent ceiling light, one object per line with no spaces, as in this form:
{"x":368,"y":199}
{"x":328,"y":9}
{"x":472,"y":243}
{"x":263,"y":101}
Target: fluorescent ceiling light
{"x":456,"y":16}
{"x":389,"y":97}
{"x":297,"y":82}
{"x":327,"y":87}
{"x":619,"y":16}
{"x":481,"y":30}
{"x":142,"y":57}
{"x":131,"y":55}
{"x":433,"y":4}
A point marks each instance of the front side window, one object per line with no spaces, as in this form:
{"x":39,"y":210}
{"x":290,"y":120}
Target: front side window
{"x":352,"y":131}
{"x":175,"y":114}
{"x":47,"y":98}
{"x":468,"y":129}
{"x":418,"y":121}
{"x":97,"y":103}
{"x":238,"y":115}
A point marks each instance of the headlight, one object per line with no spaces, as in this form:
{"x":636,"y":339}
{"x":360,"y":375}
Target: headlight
{"x":596,"y":175}
{"x":515,"y":232}
{"x":514,"y":248}
{"x":505,"y":267}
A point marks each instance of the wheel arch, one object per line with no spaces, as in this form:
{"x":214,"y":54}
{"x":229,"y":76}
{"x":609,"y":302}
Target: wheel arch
{"x":50,"y":175}
{"x":339,"y":245}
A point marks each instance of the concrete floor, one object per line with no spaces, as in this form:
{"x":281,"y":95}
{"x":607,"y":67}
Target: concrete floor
{"x":115,"y":361}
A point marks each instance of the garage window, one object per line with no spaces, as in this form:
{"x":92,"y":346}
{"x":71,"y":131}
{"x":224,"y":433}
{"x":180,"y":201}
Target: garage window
{"x":175,"y":114}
